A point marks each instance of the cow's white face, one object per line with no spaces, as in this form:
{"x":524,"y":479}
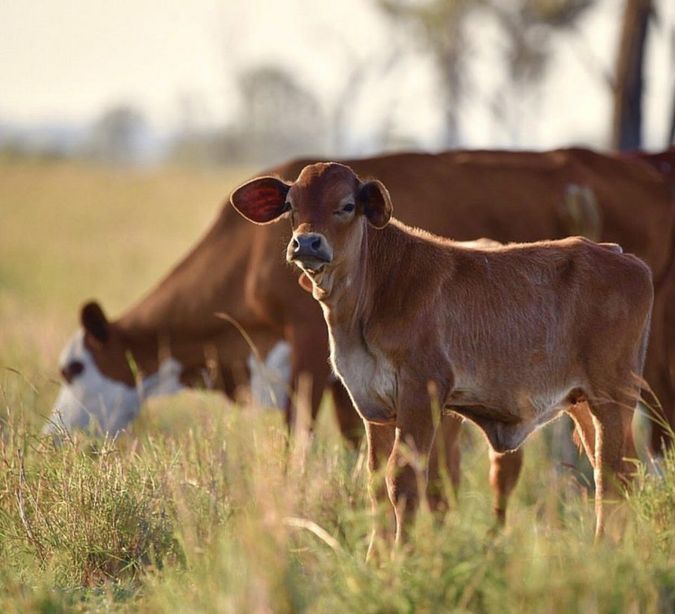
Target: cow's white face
{"x":93,"y":401}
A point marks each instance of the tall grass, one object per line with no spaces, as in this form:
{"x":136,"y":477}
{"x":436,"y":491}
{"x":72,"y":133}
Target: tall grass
{"x":224,"y":516}
{"x":206,"y":506}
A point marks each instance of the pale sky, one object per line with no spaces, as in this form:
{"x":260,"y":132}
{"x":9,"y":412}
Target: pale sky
{"x":69,"y":60}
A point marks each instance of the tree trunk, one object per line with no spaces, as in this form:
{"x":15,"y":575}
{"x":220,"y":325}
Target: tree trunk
{"x":671,"y":132}
{"x":628,"y":85}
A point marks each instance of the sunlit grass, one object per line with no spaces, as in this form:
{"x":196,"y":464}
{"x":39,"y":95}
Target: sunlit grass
{"x":205,"y":506}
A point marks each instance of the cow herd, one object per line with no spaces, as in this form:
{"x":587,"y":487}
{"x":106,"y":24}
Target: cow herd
{"x":507,"y":332}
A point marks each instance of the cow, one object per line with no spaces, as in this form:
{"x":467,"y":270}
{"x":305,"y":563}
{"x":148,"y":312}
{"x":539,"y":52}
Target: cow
{"x":506,"y":337}
{"x":172,"y":338}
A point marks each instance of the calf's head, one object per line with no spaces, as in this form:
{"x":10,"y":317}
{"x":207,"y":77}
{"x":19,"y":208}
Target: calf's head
{"x":328,"y":206}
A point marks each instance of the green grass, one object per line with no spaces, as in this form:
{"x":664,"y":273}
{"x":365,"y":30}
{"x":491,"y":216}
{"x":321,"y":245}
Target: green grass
{"x":208,"y":507}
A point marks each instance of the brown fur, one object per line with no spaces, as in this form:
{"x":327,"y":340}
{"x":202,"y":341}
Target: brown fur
{"x":507,"y":336}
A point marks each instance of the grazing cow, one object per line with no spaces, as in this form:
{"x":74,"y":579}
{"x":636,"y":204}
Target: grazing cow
{"x":508,"y":337}
{"x":176,"y":340}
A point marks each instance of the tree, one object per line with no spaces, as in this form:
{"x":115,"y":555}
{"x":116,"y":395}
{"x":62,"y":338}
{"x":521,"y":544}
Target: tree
{"x":628,"y":85}
{"x":117,"y":136}
{"x":528,"y":25}
{"x":279,"y":118}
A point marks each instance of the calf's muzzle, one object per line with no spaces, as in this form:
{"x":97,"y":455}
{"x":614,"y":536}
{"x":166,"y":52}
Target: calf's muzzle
{"x":310,"y":249}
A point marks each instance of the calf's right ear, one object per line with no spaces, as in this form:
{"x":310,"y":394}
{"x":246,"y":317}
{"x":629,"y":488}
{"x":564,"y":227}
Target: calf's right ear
{"x":261,"y":200}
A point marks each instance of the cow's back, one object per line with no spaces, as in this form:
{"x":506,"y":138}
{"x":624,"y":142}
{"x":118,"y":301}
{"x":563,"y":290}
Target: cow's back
{"x":525,"y":196}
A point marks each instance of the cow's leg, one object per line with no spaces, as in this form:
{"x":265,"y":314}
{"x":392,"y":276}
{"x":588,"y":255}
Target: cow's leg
{"x":445,"y":458}
{"x":660,"y":411}
{"x":349,"y":421}
{"x":309,"y":352}
{"x":659,"y":369}
{"x":310,"y":355}
{"x":504,"y":472}
{"x":380,"y":443}
{"x":613,"y":446}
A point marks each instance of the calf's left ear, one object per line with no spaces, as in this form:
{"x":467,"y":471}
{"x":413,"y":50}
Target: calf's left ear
{"x":376,"y":203}
{"x":261,"y":200}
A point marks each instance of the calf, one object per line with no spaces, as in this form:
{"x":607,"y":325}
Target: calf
{"x":507,"y":337}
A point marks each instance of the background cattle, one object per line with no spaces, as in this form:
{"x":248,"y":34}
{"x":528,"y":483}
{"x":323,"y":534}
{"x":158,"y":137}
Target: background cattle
{"x":239,"y":269}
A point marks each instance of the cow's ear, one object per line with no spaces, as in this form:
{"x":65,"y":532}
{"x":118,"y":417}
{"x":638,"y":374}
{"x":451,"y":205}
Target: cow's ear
{"x":94,"y":321}
{"x":261,"y":200}
{"x":376,"y":203}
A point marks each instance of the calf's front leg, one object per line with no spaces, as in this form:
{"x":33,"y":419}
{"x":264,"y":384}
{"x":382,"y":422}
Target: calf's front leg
{"x":380,"y":443}
{"x":504,"y":472}
{"x":444,"y":463}
{"x":407,"y":468}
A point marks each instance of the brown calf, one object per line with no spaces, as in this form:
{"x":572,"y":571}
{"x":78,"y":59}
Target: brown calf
{"x":508,"y":337}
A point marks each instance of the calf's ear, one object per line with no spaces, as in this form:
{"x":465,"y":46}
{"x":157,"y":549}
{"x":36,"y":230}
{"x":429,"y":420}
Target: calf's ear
{"x":94,"y":321}
{"x":376,"y":203}
{"x":261,"y":200}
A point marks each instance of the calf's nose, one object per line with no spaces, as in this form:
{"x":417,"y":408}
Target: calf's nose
{"x":310,"y":245}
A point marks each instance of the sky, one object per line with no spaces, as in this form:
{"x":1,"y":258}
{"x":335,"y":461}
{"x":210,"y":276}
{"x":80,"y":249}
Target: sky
{"x":67,"y":61}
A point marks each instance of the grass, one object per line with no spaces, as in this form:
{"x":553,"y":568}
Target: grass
{"x":208,"y":507}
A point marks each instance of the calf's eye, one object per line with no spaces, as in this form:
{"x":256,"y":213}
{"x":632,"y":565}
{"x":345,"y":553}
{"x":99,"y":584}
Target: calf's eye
{"x":348,"y":208}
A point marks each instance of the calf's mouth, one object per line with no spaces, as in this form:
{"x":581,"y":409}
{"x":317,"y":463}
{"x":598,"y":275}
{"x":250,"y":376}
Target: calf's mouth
{"x":310,"y":264}
{"x":310,"y":251}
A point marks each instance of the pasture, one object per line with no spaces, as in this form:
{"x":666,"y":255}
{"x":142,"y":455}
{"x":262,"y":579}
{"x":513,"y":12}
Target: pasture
{"x":206,"y":506}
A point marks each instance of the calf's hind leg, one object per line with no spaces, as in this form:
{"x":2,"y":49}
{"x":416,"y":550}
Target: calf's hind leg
{"x":583,"y":424}
{"x":613,"y":445}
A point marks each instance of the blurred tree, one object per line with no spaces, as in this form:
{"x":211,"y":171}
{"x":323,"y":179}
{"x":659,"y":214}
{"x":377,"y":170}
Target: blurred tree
{"x":279,"y":118}
{"x":628,"y":82}
{"x":117,"y":136}
{"x":440,"y":23}
{"x":528,"y":25}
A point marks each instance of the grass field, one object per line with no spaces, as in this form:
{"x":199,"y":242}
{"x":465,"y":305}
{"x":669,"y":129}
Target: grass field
{"x":206,"y":507}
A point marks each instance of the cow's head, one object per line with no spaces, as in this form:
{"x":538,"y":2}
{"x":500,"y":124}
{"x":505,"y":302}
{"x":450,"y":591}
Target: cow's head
{"x":99,"y":390}
{"x":329,"y":207}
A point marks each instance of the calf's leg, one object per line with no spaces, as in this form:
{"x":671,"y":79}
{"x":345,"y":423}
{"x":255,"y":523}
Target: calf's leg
{"x":444,"y":462}
{"x":613,"y":446}
{"x":408,"y":462}
{"x":585,"y":430}
{"x":504,"y":472}
{"x":380,"y":440}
